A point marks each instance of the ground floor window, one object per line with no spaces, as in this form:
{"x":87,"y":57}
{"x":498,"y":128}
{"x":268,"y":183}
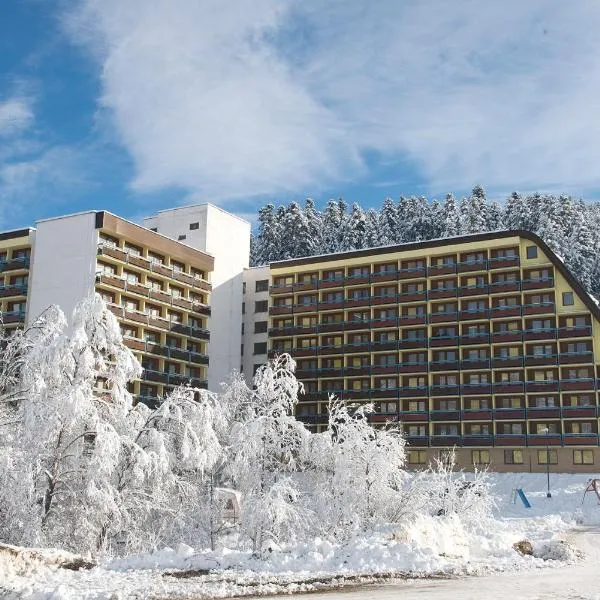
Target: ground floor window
{"x":417,"y":457}
{"x":547,"y":456}
{"x":480,"y":457}
{"x":583,"y":457}
{"x":513,"y":457}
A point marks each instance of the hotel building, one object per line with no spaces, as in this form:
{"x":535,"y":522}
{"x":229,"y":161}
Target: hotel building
{"x":484,"y":342}
{"x":159,"y":290}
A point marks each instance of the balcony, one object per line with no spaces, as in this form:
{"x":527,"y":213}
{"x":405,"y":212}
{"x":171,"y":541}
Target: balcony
{"x":543,"y":412}
{"x":412,"y":296}
{"x":503,"y":262}
{"x":384,"y":299}
{"x":542,"y":386}
{"x":437,"y":293}
{"x":475,"y":338}
{"x":443,"y":340}
{"x":157,"y":376}
{"x":445,"y":390}
{"x":300,"y":351}
{"x":533,"y":360}
{"x":474,"y":363}
{"x":477,"y":414}
{"x":414,"y":391}
{"x":546,"y":333}
{"x":357,"y":324}
{"x":571,"y":332}
{"x":539,"y":308}
{"x":305,"y":307}
{"x":13,"y":289}
{"x":584,"y":383}
{"x":305,"y":286}
{"x":473,"y":290}
{"x":281,"y":289}
{"x":387,"y":393}
{"x":569,"y":358}
{"x":13,"y":316}
{"x":329,"y":282}
{"x":512,"y":414}
{"x":441,"y":269}
{"x":581,"y":439}
{"x":385,"y":369}
{"x":111,"y":280}
{"x":501,"y":312}
{"x":417,"y":441}
{"x":379,"y":276}
{"x":383,"y":323}
{"x":508,"y":387}
{"x":472,"y":265}
{"x":445,"y":415}
{"x":579,"y":412}
{"x":355,"y":301}
{"x":510,"y":439}
{"x":407,"y":320}
{"x":354,"y":347}
{"x":502,"y":362}
{"x":358,"y":279}
{"x":414,"y":415}
{"x":544,"y":439}
{"x":513,"y":335}
{"x":537,"y":284}
{"x":503,"y":287}
{"x":478,"y":439}
{"x":443,"y":317}
{"x":445,"y":440}
{"x":349,"y":371}
{"x":408,"y":343}
{"x":470,"y":389}
{"x":412,"y":367}
{"x":444,"y":365}
{"x":281,"y":309}
{"x":474,"y":314}
{"x":413,"y":273}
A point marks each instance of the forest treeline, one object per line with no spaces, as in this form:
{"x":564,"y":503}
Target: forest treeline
{"x":569,"y":226}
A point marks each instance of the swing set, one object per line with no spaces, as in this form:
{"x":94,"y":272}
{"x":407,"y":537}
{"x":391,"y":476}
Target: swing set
{"x":593,"y":485}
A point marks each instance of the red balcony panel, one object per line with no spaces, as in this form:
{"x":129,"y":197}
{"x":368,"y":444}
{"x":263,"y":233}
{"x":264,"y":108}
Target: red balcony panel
{"x":576,"y":412}
{"x":445,"y":440}
{"x":362,"y":280}
{"x":474,"y":364}
{"x":567,"y":385}
{"x":477,"y":415}
{"x":113,"y":280}
{"x":477,"y":440}
{"x":377,"y":300}
{"x":502,"y":387}
{"x":412,"y":297}
{"x":405,"y":321}
{"x":158,"y":322}
{"x":390,"y":394}
{"x":138,"y":317}
{"x":571,"y":332}
{"x":384,"y":276}
{"x":501,"y":363}
{"x":436,"y":293}
{"x":533,"y":361}
{"x":354,"y":325}
{"x":544,"y":440}
{"x":472,"y":389}
{"x":501,"y":312}
{"x":382,"y":346}
{"x":305,"y":286}
{"x":324,"y":327}
{"x":543,"y":413}
{"x":326,"y":305}
{"x":381,"y":370}
{"x":134,"y":344}
{"x":408,"y":344}
{"x":445,"y":365}
{"x":355,"y":371}
{"x":580,"y":440}
{"x":477,"y":290}
{"x":544,"y":334}
{"x":501,"y":337}
{"x":443,"y":317}
{"x":160,"y":296}
{"x":411,"y":273}
{"x":445,"y":415}
{"x":502,"y":287}
{"x":284,"y":289}
{"x":329,"y":283}
{"x":417,"y":368}
{"x":473,"y":315}
{"x":161,"y":269}
{"x":414,"y":392}
{"x":302,"y":308}
{"x":466,"y":267}
{"x":441,"y":270}
{"x":414,"y":416}
{"x":445,"y":390}
{"x":382,"y":418}
{"x":325,"y":350}
{"x":304,"y":352}
{"x":470,"y":340}
{"x":281,"y":310}
{"x":512,"y":414}
{"x":542,"y":386}
{"x":334,"y":372}
{"x":537,"y":284}
{"x":350,"y":302}
{"x":383,"y":323}
{"x":538,"y":309}
{"x":503,"y":263}
{"x":510,"y":440}
{"x":359,"y":347}
{"x":576,"y":358}
{"x":418,"y":441}
{"x":437,"y":342}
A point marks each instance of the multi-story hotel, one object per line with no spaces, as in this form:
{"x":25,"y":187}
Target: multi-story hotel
{"x":484,"y":342}
{"x":158,"y":288}
{"x":15,"y":254}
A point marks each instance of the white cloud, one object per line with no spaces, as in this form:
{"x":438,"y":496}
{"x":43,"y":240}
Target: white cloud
{"x":257,"y":97}
{"x":16,"y":115}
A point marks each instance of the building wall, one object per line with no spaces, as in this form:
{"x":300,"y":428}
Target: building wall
{"x":437,"y":398}
{"x":227,"y":238}
{"x":254,"y":338}
{"x":64,"y":263}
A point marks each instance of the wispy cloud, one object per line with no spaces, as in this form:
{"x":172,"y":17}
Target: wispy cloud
{"x":16,"y":115}
{"x":259,"y":96}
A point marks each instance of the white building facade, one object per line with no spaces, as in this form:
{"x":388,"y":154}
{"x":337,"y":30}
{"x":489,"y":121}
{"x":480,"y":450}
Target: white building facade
{"x":212,"y":230}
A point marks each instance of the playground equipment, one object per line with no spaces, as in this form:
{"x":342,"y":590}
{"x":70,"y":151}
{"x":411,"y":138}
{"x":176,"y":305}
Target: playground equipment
{"x":593,"y":485}
{"x":519,"y":493}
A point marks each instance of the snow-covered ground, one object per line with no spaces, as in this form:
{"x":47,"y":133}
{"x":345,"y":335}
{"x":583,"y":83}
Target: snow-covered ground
{"x":429,"y":546}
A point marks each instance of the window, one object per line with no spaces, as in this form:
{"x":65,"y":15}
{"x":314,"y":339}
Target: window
{"x":262,"y":286}
{"x":177,"y":266}
{"x":513,"y":457}
{"x":583,"y":457}
{"x":132,"y":250}
{"x":480,"y":457}
{"x":194,"y":226}
{"x":105,"y":269}
{"x":152,"y":337}
{"x":261,"y":306}
{"x":260,"y":348}
{"x":417,"y":457}
{"x":567,"y":299}
{"x":416,"y":406}
{"x":156,"y":259}
{"x":532,"y":252}
{"x":181,"y":237}
{"x":260,"y":326}
{"x":545,"y":457}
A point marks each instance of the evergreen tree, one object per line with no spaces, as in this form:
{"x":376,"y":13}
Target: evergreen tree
{"x":388,"y":223}
{"x":450,"y":217}
{"x":297,"y":238}
{"x":355,"y":230}
{"x":372,"y":230}
{"x":333,"y":223}
{"x":267,"y":240}
{"x":314,"y":224}
{"x":516,"y":214}
{"x":493,"y":221}
{"x":473,"y":211}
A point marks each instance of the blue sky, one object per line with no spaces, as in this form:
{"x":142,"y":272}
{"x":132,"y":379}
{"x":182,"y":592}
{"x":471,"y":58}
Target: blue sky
{"x":138,"y":105}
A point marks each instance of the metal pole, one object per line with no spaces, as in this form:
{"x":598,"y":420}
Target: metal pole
{"x":548,"y":494}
